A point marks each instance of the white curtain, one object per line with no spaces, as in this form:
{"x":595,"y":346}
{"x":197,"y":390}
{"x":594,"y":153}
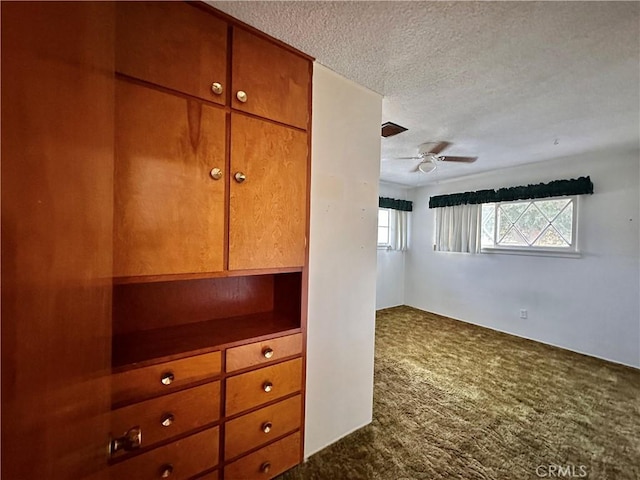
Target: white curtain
{"x":458,"y":228}
{"x":400,"y":233}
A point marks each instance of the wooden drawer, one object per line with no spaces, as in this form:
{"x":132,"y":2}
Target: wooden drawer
{"x":170,"y":415}
{"x":263,"y":352}
{"x":143,"y":383}
{"x":248,"y":431}
{"x":186,"y":457}
{"x":267,"y":462}
{"x":248,"y":390}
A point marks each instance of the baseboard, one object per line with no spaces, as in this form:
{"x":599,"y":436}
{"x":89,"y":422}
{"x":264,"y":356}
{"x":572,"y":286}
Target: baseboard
{"x":586,"y":354}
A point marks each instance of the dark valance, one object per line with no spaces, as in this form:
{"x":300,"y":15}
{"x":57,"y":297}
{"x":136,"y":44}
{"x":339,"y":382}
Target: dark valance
{"x":404,"y":205}
{"x":557,"y":188}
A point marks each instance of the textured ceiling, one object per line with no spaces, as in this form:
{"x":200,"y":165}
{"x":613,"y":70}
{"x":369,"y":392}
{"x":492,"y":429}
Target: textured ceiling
{"x":509,"y":82}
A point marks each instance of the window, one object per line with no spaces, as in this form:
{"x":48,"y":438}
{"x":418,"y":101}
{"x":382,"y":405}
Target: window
{"x":543,"y":225}
{"x":384,"y":237}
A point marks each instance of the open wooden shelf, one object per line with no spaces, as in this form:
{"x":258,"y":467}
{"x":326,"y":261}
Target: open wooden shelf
{"x":160,"y":321}
{"x":163,"y":344}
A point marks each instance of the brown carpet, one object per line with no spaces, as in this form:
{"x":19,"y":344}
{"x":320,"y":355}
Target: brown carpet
{"x":454,"y":400}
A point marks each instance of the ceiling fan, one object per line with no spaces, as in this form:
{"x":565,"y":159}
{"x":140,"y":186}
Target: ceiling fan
{"x":429,"y":156}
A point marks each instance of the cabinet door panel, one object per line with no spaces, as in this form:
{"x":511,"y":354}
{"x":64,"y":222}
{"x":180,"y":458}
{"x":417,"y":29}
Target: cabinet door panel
{"x":267,"y":212}
{"x":275,"y":80}
{"x":57,"y":210}
{"x":174,"y":45}
{"x":169,"y":212}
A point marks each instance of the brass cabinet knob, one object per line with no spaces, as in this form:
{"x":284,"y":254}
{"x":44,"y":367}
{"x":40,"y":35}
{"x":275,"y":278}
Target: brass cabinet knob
{"x":216,"y":173}
{"x":266,"y":427}
{"x":267,"y":386}
{"x":131,"y":440}
{"x":240,"y":177}
{"x":216,"y":88}
{"x":265,"y":467}
{"x":167,"y":420}
{"x":167,"y":378}
{"x":241,"y":96}
{"x":166,"y":470}
{"x":267,"y":352}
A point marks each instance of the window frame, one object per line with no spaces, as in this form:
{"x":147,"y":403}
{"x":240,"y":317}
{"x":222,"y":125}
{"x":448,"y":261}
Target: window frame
{"x":571,"y":251}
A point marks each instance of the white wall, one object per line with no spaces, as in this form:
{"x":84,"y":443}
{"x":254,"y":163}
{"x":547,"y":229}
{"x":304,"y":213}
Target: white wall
{"x":390,"y":272}
{"x":589,"y":305}
{"x":342,"y":258}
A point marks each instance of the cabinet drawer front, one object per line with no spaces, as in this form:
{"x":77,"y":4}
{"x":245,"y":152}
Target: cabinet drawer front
{"x":142,"y":383}
{"x":185,"y":458}
{"x":279,"y":457}
{"x":257,"y":428}
{"x":169,"y":415}
{"x":248,"y":390}
{"x":263,"y":352}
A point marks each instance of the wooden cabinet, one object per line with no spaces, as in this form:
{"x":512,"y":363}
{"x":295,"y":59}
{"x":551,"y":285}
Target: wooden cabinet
{"x":137,"y":263}
{"x":174,"y":45}
{"x":169,"y":210}
{"x":268,"y":210}
{"x":275,"y":82}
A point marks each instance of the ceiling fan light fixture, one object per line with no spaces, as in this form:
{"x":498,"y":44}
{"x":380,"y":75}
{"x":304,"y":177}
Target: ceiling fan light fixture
{"x":428,"y":165}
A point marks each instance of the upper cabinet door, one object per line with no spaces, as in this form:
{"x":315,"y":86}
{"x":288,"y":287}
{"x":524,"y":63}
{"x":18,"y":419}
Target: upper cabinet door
{"x":269,"y":81}
{"x":174,"y":45}
{"x":268,"y":195}
{"x":169,"y":208}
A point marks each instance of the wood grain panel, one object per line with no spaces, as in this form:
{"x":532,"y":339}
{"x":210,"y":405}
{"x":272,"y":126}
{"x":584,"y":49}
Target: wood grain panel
{"x":253,"y":354}
{"x":267,"y":212}
{"x":247,"y":432}
{"x":148,"y":306}
{"x":246,"y":391}
{"x":277,"y":82}
{"x":190,"y":409}
{"x":142,"y":383}
{"x":169,"y":212}
{"x":57,"y":208}
{"x":187,"y":457}
{"x":280,"y":456}
{"x":174,"y":45}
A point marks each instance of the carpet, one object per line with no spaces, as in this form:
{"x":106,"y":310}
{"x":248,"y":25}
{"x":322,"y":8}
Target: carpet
{"x":458,"y":401}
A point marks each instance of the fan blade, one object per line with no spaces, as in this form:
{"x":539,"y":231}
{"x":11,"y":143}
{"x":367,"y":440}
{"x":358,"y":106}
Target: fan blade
{"x":458,"y":159}
{"x":407,"y":158}
{"x":439,"y":147}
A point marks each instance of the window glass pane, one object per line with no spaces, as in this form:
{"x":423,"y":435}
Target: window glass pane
{"x":564,"y":223}
{"x":551,"y":208}
{"x":383,"y":218}
{"x":551,"y":238}
{"x":513,"y":238}
{"x":513,"y":210}
{"x":383,"y":235}
{"x":488,"y":224}
{"x":532,"y":223}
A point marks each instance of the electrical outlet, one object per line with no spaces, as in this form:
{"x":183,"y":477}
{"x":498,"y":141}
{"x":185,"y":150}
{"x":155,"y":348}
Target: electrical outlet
{"x":523,"y":313}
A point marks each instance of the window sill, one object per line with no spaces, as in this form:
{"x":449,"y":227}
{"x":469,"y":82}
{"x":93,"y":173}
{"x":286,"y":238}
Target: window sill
{"x":531,"y":252}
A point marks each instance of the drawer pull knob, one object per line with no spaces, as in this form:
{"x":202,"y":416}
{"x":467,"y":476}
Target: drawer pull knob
{"x":167,"y":420}
{"x":240,"y":177}
{"x":267,"y":352}
{"x":127,"y":442}
{"x":267,"y":386}
{"x":266,"y":427}
{"x":166,"y":470}
{"x":216,"y":88}
{"x":265,"y":467}
{"x":167,"y":378}
{"x":241,"y":96}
